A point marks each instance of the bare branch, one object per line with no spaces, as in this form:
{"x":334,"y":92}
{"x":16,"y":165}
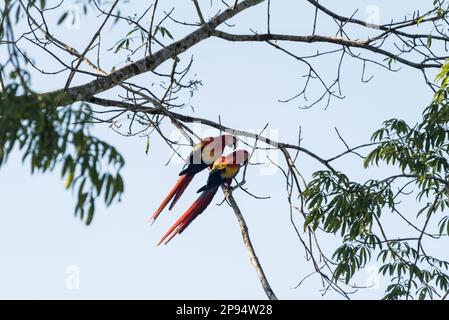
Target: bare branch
{"x":248,"y":245}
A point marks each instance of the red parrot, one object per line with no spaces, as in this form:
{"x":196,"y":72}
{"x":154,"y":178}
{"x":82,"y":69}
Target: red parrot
{"x":202,"y":156}
{"x":223,"y":171}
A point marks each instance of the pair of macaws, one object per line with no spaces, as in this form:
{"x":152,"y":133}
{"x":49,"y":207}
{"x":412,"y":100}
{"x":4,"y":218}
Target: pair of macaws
{"x":207,"y":153}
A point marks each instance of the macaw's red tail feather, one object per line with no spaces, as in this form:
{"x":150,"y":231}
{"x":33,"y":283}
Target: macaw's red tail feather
{"x":179,"y":188}
{"x":195,"y":209}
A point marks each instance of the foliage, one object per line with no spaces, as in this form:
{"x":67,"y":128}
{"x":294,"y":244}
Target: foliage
{"x":50,"y":137}
{"x":354,"y":210}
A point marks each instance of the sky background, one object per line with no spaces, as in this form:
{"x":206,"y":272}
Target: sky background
{"x":43,"y":248}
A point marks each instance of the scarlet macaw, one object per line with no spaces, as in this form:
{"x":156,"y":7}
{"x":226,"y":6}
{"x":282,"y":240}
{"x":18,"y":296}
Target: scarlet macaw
{"x":202,"y":156}
{"x":223,"y":171}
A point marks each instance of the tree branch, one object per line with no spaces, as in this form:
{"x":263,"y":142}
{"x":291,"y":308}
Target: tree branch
{"x":198,"y":10}
{"x":362,"y":44}
{"x":149,"y":63}
{"x":212,"y":124}
{"x":91,"y":42}
{"x":248,"y":245}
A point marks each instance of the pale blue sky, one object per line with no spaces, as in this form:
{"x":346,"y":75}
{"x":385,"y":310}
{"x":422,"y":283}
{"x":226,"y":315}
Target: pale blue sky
{"x":117,"y":256}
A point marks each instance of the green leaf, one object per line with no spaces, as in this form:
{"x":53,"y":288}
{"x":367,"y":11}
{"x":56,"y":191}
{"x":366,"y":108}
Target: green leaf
{"x":420,"y":19}
{"x":69,"y":180}
{"x":147,"y":147}
{"x":120,"y":45}
{"x":90,"y":213}
{"x":62,"y":18}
